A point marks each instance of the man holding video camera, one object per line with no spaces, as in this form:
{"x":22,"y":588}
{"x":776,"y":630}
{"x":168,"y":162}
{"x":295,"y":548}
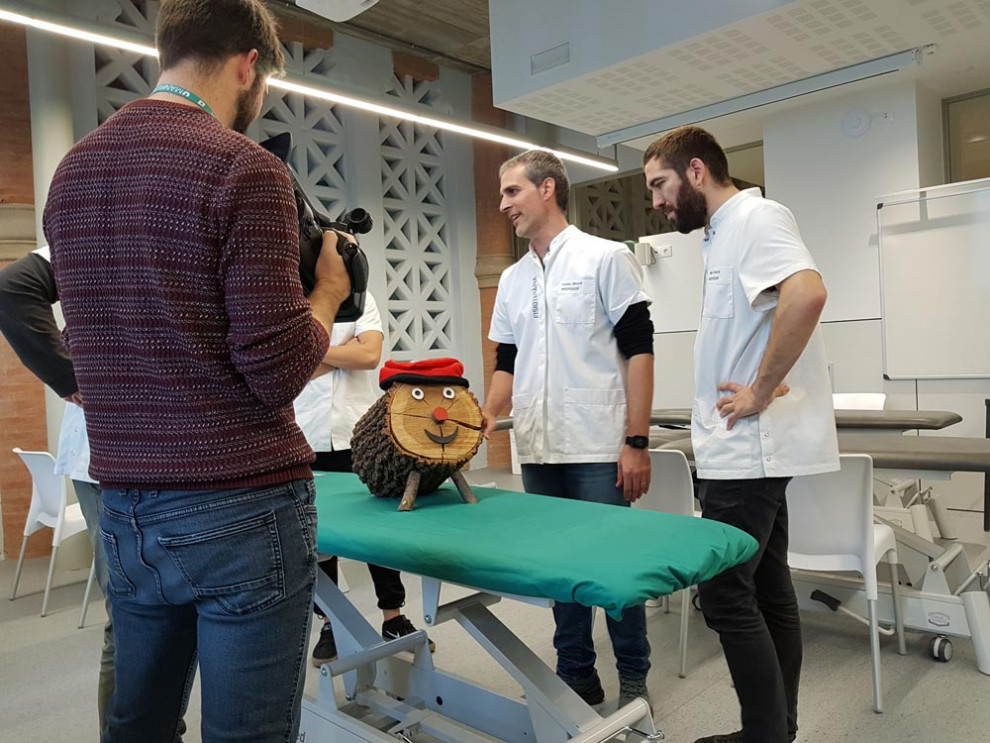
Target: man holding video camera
{"x":175,"y":246}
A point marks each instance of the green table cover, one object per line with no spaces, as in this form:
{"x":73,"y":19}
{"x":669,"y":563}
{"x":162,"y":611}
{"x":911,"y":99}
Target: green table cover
{"x":529,"y":545}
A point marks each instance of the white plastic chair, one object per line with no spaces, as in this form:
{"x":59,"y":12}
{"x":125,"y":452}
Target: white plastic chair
{"x":672,"y":491}
{"x":832,"y":530}
{"x":858,"y":400}
{"x":48,"y":508}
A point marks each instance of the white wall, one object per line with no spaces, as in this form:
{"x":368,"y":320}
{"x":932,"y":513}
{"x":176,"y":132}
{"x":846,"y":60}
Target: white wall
{"x":830,"y":179}
{"x":673,"y":370}
{"x":674,"y":282}
{"x":853,"y":351}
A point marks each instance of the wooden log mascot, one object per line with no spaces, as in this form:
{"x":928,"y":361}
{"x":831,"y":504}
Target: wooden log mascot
{"x":424,"y":429}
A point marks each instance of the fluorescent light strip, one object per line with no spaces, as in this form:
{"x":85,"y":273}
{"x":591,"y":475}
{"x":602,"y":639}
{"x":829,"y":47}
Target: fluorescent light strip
{"x":77,"y":33}
{"x":445,"y":124}
{"x":491,"y":135}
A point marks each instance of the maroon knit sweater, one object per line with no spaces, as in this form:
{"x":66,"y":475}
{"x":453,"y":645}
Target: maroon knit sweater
{"x":176,"y":253}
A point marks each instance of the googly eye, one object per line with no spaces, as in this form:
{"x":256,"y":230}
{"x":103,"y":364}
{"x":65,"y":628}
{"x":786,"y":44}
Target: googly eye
{"x":417,"y":393}
{"x":449,"y":393}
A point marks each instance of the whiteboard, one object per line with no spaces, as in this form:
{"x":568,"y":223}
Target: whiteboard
{"x":934,"y":247}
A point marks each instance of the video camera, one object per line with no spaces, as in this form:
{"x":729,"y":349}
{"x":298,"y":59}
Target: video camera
{"x":313,"y":222}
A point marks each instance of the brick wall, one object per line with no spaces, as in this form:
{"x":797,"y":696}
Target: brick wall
{"x":16,"y":181}
{"x":494,"y":234}
{"x":22,"y":396}
{"x":22,"y":410}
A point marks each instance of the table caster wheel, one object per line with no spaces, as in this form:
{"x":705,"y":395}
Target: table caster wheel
{"x":941,"y":648}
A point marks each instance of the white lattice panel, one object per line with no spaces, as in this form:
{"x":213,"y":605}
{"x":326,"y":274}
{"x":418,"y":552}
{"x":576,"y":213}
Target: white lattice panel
{"x":417,"y":253}
{"x":318,"y":153}
{"x":607,"y":213}
{"x":420,"y":302}
{"x":122,"y":77}
{"x":319,"y":145}
{"x":618,"y":209}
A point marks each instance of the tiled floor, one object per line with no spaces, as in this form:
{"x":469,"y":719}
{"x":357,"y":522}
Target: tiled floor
{"x":48,"y":669}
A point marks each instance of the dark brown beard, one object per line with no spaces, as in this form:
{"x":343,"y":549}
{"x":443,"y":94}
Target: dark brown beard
{"x":244,"y":108}
{"x":692,"y":211}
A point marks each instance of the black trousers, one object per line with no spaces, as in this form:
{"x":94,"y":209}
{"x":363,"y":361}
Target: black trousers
{"x":753,"y":607}
{"x":388,"y":583}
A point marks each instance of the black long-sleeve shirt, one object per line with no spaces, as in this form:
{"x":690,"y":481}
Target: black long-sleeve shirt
{"x":27,"y":321}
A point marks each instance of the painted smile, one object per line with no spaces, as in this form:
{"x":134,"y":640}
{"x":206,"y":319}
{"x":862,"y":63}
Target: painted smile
{"x":437,"y":439}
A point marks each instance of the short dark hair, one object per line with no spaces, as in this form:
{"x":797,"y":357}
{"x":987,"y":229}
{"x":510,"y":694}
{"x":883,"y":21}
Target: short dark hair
{"x":211,"y":31}
{"x":541,"y":165}
{"x":677,"y":148}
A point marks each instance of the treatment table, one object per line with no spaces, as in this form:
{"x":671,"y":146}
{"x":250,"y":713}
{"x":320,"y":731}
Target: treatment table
{"x":943,"y":595}
{"x":845,"y":420}
{"x":532,"y":548}
{"x":675,"y":423}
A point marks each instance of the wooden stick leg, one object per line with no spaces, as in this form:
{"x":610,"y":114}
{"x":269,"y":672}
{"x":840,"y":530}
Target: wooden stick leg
{"x":408,"y":501}
{"x":463,"y":487}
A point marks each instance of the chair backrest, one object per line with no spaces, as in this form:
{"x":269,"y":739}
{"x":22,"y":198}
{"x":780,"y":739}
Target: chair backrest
{"x":48,"y":496}
{"x":671,"y":488}
{"x":858,"y":400}
{"x":831,"y":520}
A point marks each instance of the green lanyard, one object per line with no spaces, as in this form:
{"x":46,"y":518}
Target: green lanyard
{"x":187,"y":94}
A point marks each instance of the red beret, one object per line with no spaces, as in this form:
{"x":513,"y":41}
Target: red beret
{"x":428,"y":371}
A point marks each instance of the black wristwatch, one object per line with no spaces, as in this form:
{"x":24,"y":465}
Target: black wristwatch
{"x":638,"y":442}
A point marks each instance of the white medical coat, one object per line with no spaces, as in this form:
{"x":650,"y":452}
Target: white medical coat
{"x":752,"y":245}
{"x":73,"y":445}
{"x":568,"y":390}
{"x":73,"y":442}
{"x":330,"y":405}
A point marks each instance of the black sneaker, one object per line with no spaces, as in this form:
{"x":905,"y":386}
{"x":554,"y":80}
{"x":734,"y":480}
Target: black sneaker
{"x":736,"y":737}
{"x":629,"y":689}
{"x":589,"y":688}
{"x":326,"y":649}
{"x":400,"y":626}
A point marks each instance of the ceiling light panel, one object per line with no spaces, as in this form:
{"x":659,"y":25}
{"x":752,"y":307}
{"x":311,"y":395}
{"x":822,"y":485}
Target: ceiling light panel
{"x":798,"y":40}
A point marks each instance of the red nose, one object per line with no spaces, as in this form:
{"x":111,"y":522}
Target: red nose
{"x":439,"y":414}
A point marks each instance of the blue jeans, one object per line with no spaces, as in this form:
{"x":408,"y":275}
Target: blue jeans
{"x":593,"y":482}
{"x":91,"y":503}
{"x":753,"y":607}
{"x":225,"y":575}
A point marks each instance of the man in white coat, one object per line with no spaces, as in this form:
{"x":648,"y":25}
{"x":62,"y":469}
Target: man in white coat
{"x":762,"y":411}
{"x":575,"y":357}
